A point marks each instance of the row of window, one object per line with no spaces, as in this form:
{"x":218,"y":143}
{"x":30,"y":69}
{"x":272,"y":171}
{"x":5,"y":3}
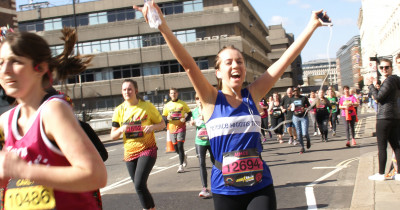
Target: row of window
{"x":106,"y":16}
{"x":126,"y":43}
{"x":119,"y":72}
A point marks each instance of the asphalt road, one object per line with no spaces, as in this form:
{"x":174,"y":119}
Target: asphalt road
{"x":323,"y":177}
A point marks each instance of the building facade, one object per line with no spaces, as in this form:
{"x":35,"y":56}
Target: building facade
{"x":315,"y":72}
{"x":348,"y":61}
{"x":126,"y":47}
{"x":280,"y":41}
{"x":379,"y":24}
{"x":8,"y":13}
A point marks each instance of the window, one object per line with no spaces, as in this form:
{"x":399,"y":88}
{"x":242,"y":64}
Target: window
{"x":98,"y":18}
{"x":124,"y":44}
{"x":53,"y":24}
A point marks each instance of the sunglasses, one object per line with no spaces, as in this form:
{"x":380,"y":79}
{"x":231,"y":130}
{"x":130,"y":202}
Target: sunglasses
{"x":384,"y":67}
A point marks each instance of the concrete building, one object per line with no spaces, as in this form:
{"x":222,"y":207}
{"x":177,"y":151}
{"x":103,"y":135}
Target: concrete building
{"x":379,"y":24}
{"x":8,"y":14}
{"x":126,"y":47}
{"x":315,"y":71}
{"x":348,"y":62}
{"x":280,"y":41}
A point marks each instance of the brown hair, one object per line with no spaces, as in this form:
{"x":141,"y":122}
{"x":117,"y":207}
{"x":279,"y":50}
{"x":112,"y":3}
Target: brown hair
{"x":217,"y":62}
{"x":135,"y":85}
{"x":34,"y":47}
{"x":386,"y":60}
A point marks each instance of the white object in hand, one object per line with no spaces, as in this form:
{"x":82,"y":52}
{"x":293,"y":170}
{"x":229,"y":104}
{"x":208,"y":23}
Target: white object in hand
{"x":152,"y":15}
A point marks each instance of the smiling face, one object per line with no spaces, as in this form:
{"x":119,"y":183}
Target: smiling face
{"x":231,"y":68}
{"x":128,"y":91}
{"x":17,"y":75}
{"x":173,"y":94}
{"x":385,"y":68}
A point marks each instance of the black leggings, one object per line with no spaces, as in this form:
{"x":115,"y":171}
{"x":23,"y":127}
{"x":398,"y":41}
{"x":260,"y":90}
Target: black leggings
{"x":201,"y":152}
{"x":263,"y":199}
{"x":139,"y":170}
{"x":349,"y":125}
{"x":179,"y":149}
{"x":323,"y":125}
{"x":334,"y":120}
{"x":386,"y":131}
{"x":275,"y":122}
{"x":264,"y":125}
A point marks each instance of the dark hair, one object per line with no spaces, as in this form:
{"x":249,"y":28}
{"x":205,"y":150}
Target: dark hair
{"x":279,"y":96}
{"x":217,"y":62}
{"x":386,"y":60}
{"x":346,"y":87}
{"x":135,"y":85}
{"x":174,"y":89}
{"x":34,"y":47}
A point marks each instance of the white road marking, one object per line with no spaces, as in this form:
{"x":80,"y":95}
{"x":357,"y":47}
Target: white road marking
{"x":176,"y":156}
{"x":128,"y":179}
{"x":111,"y":150}
{"x":309,"y":190}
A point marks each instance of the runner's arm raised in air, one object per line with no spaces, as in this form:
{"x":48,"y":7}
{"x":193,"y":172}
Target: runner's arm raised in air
{"x":268,"y":79}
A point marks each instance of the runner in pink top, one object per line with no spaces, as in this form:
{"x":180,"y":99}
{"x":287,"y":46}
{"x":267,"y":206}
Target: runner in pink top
{"x":347,"y":104}
{"x":48,"y":161}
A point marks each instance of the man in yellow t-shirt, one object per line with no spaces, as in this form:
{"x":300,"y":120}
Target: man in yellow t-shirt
{"x":177,"y":112}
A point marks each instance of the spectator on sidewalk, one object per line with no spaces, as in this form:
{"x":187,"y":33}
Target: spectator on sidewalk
{"x":388,"y":116}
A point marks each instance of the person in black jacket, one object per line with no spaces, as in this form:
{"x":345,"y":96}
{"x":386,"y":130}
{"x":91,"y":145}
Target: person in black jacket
{"x":387,"y":117}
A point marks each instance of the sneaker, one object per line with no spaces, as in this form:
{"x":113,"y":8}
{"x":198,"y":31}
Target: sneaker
{"x":295,"y":142}
{"x":348,"y":144}
{"x":397,"y":177}
{"x":264,"y":140}
{"x":353,"y":142}
{"x":280,"y":141}
{"x":333,"y":133}
{"x":290,"y":140}
{"x":180,"y":169}
{"x":302,"y":150}
{"x":204,"y":193}
{"x":315,"y":133}
{"x":377,"y":177}
{"x":185,"y":161}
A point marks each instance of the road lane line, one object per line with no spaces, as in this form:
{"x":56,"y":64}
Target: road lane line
{"x":128,"y":179}
{"x":309,"y":190}
{"x":173,"y":157}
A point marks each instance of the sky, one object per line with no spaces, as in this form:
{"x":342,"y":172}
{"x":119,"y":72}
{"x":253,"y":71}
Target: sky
{"x":294,"y":16}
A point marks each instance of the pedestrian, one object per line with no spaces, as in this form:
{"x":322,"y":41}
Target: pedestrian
{"x":333,"y":100}
{"x":323,"y":114}
{"x":233,"y":120}
{"x":277,"y":117}
{"x":388,"y":116}
{"x":347,"y":104}
{"x":264,"y":119}
{"x":285,"y":103}
{"x":177,"y":113}
{"x":45,"y":149}
{"x":202,"y":145}
{"x":313,"y":113}
{"x":300,"y":118}
{"x":136,"y":120}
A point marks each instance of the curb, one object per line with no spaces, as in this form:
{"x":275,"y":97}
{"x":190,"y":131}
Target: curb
{"x":364,"y":189}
